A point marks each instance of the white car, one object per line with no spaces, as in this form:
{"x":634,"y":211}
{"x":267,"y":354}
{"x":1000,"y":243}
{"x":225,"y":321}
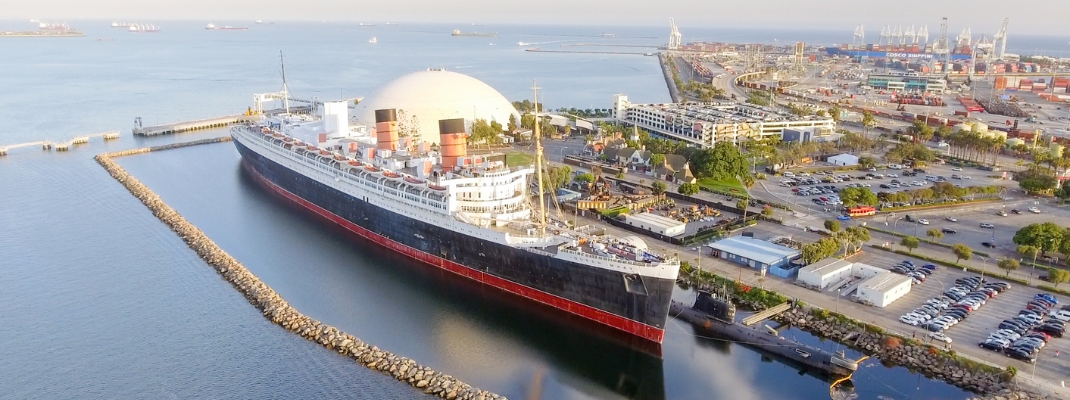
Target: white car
{"x":952,"y":219}
{"x":895,"y":166}
{"x":956,"y":169}
{"x":1034,"y":210}
{"x":893,"y":175}
{"x":789,"y":174}
{"x":917,"y":183}
{"x":965,"y":177}
{"x":909,"y":320}
{"x":987,"y":225}
{"x":804,"y":174}
{"x":923,"y":221}
{"x":939,"y":336}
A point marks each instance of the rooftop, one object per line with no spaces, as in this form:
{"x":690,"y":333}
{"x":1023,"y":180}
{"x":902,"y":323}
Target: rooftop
{"x":884,"y":281}
{"x":654,"y":220}
{"x":826,"y":266}
{"x":754,"y":249}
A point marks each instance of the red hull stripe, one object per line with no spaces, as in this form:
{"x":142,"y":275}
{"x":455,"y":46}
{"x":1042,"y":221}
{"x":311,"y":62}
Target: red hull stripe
{"x":632,"y":327}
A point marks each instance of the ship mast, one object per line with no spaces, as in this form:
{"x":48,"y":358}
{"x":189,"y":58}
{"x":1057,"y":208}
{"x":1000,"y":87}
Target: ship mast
{"x":285,"y":88}
{"x":538,"y":160}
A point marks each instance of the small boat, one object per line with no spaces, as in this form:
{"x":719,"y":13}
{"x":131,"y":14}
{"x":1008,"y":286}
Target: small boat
{"x":373,"y":40}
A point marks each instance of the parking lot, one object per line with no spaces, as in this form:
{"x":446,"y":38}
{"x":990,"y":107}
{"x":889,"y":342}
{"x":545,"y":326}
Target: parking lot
{"x":979,"y":324}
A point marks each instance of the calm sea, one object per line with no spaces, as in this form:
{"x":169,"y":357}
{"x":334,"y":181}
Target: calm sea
{"x":98,"y":299}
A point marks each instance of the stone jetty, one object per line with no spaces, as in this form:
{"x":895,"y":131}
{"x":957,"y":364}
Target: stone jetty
{"x":273,"y":306}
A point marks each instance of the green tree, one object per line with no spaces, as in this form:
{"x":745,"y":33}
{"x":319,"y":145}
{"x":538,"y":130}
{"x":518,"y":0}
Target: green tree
{"x":854,"y":196}
{"x":585,"y":177}
{"x":620,"y":175}
{"x":832,"y":225}
{"x":868,"y":121}
{"x":867,"y":162}
{"x":658,"y":187}
{"x":767,"y":211}
{"x":657,"y":160}
{"x":962,"y":252}
{"x":1036,"y":181}
{"x":724,"y":161}
{"x":1047,"y":236}
{"x":485,"y":133}
{"x":935,"y":234}
{"x":834,"y":113}
{"x":688,"y":189}
{"x":910,"y":243}
{"x":920,"y":131}
{"x":1008,"y":264}
{"x":512,"y":123}
{"x":1058,"y":276}
{"x":820,"y":250}
{"x":742,"y":204}
{"x":1029,"y":251}
{"x":557,"y":177}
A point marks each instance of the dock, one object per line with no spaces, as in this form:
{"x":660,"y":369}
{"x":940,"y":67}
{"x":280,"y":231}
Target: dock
{"x":60,"y":145}
{"x":179,"y":127}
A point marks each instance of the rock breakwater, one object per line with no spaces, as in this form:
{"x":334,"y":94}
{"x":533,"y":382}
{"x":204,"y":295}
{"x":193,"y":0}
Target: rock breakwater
{"x":273,"y":306}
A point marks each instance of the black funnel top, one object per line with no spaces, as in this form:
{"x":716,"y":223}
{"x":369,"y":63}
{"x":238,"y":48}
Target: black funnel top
{"x":455,"y":125}
{"x":387,"y":115}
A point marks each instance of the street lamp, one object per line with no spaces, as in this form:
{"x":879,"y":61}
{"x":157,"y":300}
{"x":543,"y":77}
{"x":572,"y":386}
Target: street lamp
{"x":896,"y":223}
{"x":984,"y":266}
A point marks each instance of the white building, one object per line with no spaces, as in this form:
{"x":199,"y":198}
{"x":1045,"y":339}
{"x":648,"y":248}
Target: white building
{"x":843,"y":159}
{"x":754,"y":253}
{"x":884,"y":288}
{"x":825,"y":272}
{"x":705,"y":124}
{"x":656,"y":223}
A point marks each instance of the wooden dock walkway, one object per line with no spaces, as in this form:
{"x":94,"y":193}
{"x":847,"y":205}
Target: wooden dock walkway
{"x":60,"y":146}
{"x":769,"y":312}
{"x":187,"y":126}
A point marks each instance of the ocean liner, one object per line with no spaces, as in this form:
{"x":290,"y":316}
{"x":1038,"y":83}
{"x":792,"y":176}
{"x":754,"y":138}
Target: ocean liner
{"x":467,"y":214}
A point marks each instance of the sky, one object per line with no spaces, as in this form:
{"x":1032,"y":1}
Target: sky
{"x":1034,"y":17}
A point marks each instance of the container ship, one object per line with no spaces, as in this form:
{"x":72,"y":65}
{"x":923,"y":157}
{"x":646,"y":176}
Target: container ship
{"x":900,"y":44}
{"x":468,"y":215}
{"x":717,"y":316}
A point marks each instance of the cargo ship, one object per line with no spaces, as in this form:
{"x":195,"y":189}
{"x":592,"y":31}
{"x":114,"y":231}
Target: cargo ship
{"x":717,"y":316}
{"x":468,"y":215}
{"x":875,"y":52}
{"x":457,"y":32}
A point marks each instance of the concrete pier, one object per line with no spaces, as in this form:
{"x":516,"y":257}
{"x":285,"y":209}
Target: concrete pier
{"x":273,"y":306}
{"x":60,"y":146}
{"x":187,"y":126}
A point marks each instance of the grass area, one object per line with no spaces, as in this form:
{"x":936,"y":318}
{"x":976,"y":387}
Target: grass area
{"x":516,"y":158}
{"x":731,"y":185}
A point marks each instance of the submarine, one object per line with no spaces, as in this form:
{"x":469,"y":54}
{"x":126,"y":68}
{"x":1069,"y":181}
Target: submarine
{"x":717,"y":316}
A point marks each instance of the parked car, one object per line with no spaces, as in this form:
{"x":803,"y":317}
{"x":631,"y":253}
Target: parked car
{"x":949,"y":231}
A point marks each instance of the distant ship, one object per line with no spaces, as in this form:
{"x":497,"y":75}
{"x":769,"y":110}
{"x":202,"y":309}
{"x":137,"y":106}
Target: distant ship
{"x":138,"y":28}
{"x":457,"y":32}
{"x":120,"y":24}
{"x":373,"y":40}
{"x":259,"y":22}
{"x":609,"y":35}
{"x":363,"y":24}
{"x":522,"y":44}
{"x":45,"y":29}
{"x":212,"y":27}
{"x":60,"y":27}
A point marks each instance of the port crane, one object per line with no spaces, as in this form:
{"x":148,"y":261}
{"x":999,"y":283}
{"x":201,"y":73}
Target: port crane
{"x":1000,"y":39}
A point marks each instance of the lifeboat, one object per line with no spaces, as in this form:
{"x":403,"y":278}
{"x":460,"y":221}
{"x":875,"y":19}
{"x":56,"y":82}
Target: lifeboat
{"x":354,"y":163}
{"x":298,"y":142}
{"x":310,"y":147}
{"x":288,"y":139}
{"x":436,"y":187}
{"x":325,"y":153}
{"x":339,"y":158}
{"x":410,"y":179}
{"x":371,"y":168}
{"x":391,"y":174}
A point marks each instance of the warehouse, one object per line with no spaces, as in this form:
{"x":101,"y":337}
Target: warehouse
{"x":656,"y":223}
{"x":843,"y":160}
{"x":755,"y":253}
{"x":826,"y":272}
{"x":884,"y":288}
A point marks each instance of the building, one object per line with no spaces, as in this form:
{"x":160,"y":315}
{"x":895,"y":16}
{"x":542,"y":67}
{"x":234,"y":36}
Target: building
{"x":675,"y":168}
{"x":755,"y":253}
{"x":826,"y":272}
{"x":705,"y":124}
{"x":425,"y":97}
{"x":908,"y":83}
{"x":656,"y":223}
{"x":884,"y":288}
{"x":843,"y":159}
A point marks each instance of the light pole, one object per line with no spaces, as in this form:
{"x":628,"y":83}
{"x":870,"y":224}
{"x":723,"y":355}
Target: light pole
{"x":896,"y":223}
{"x":984,"y":266}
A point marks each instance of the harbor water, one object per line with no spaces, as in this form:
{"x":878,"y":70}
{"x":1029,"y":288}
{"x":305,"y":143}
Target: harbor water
{"x":101,"y":300}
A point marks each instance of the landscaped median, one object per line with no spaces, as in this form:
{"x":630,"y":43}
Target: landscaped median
{"x":923,"y":240}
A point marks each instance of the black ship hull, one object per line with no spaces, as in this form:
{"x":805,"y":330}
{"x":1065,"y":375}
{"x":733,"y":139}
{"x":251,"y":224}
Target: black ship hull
{"x":594,"y":293}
